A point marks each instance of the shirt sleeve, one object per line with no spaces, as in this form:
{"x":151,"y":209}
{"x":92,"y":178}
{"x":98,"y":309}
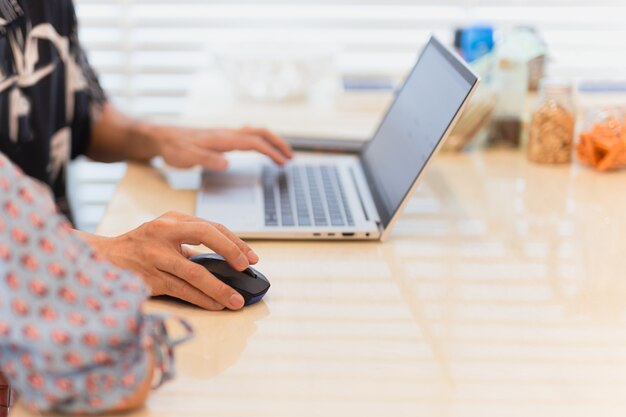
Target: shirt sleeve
{"x":88,"y":105}
{"x":73,"y":337}
{"x":97,"y":96}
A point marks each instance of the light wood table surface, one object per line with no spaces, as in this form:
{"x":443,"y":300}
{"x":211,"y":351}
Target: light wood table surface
{"x":501,"y":292}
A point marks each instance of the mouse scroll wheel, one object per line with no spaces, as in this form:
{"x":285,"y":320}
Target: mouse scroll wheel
{"x":249,"y":272}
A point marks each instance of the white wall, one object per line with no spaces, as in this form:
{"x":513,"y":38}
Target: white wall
{"x":145,"y":49}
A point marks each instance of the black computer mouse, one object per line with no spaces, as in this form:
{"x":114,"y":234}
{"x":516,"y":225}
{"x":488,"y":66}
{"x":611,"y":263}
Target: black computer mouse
{"x":250,"y":283}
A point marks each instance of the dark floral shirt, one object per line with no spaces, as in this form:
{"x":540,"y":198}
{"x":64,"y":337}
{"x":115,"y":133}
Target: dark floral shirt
{"x":49,"y":94}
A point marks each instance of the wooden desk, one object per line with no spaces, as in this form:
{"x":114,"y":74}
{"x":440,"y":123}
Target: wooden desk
{"x":501,"y":293}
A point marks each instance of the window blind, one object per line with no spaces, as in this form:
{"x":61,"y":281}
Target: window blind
{"x":146,"y":50}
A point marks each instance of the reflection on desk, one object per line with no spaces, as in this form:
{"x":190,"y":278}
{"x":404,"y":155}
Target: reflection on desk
{"x":222,"y":336}
{"x":500,"y":293}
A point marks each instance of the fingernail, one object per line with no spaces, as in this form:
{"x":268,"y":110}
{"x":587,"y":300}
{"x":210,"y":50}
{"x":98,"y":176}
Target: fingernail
{"x":253,"y":257}
{"x":242,"y":261}
{"x":236,"y":301}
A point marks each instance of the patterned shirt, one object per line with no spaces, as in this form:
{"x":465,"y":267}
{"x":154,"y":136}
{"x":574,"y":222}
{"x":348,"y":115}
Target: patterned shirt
{"x":73,"y":337}
{"x":49,"y":94}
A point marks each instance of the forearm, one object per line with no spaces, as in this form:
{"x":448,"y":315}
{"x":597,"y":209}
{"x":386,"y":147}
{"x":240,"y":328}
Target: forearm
{"x":117,"y":137}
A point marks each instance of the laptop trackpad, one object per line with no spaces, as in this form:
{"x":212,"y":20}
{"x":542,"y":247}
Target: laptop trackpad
{"x":231,"y":188}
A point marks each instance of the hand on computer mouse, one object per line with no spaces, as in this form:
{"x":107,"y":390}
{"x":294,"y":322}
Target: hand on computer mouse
{"x":157,"y":253}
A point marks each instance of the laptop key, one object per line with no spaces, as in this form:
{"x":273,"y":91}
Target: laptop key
{"x":334,"y":207}
{"x":344,"y":199}
{"x":319,"y":214}
{"x":269,"y":200}
{"x":285,"y":200}
{"x":302,"y":208}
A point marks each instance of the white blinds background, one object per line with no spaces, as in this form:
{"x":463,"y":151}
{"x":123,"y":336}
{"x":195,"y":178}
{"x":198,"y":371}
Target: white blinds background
{"x":146,"y":50}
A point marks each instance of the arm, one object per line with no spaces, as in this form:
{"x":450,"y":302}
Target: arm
{"x":73,"y":337}
{"x":116,"y":137}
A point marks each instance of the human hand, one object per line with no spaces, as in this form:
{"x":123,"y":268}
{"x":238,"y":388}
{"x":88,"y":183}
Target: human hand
{"x":157,"y":253}
{"x":185,"y":147}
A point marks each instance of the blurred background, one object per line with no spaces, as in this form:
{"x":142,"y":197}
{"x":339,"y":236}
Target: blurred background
{"x":173,"y":60}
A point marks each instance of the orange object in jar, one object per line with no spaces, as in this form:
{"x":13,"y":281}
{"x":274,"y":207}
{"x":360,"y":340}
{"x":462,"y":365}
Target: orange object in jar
{"x":604,"y":146}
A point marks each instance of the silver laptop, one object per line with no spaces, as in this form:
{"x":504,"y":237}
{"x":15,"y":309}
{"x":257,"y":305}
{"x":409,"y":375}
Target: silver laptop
{"x":346,"y":196}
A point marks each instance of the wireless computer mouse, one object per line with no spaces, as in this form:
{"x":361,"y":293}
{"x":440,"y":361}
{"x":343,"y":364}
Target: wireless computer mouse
{"x":250,"y":283}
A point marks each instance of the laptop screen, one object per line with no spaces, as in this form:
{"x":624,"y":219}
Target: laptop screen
{"x":414,"y":125}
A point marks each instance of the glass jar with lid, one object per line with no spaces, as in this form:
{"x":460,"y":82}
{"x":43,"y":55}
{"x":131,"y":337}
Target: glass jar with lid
{"x":552,"y":125}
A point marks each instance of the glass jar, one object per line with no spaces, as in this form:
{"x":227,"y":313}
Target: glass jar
{"x":552,"y":125}
{"x":511,"y":79}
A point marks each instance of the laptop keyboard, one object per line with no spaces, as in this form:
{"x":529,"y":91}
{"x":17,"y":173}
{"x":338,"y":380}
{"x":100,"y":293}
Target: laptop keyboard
{"x":305,"y":195}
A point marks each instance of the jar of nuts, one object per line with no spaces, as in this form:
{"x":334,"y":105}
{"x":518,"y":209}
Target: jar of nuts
{"x":552,"y":125}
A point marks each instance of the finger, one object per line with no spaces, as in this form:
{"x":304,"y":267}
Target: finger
{"x":175,"y":215}
{"x":188,"y":252}
{"x":199,"y":232}
{"x":181,"y":289}
{"x":243,"y":246}
{"x":236,"y":140}
{"x":247,"y":142}
{"x":201,"y":280}
{"x":273,"y":138}
{"x":197,"y":155}
{"x":253,"y":258}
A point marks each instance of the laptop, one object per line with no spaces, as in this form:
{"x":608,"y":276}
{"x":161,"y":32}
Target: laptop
{"x":346,"y":196}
